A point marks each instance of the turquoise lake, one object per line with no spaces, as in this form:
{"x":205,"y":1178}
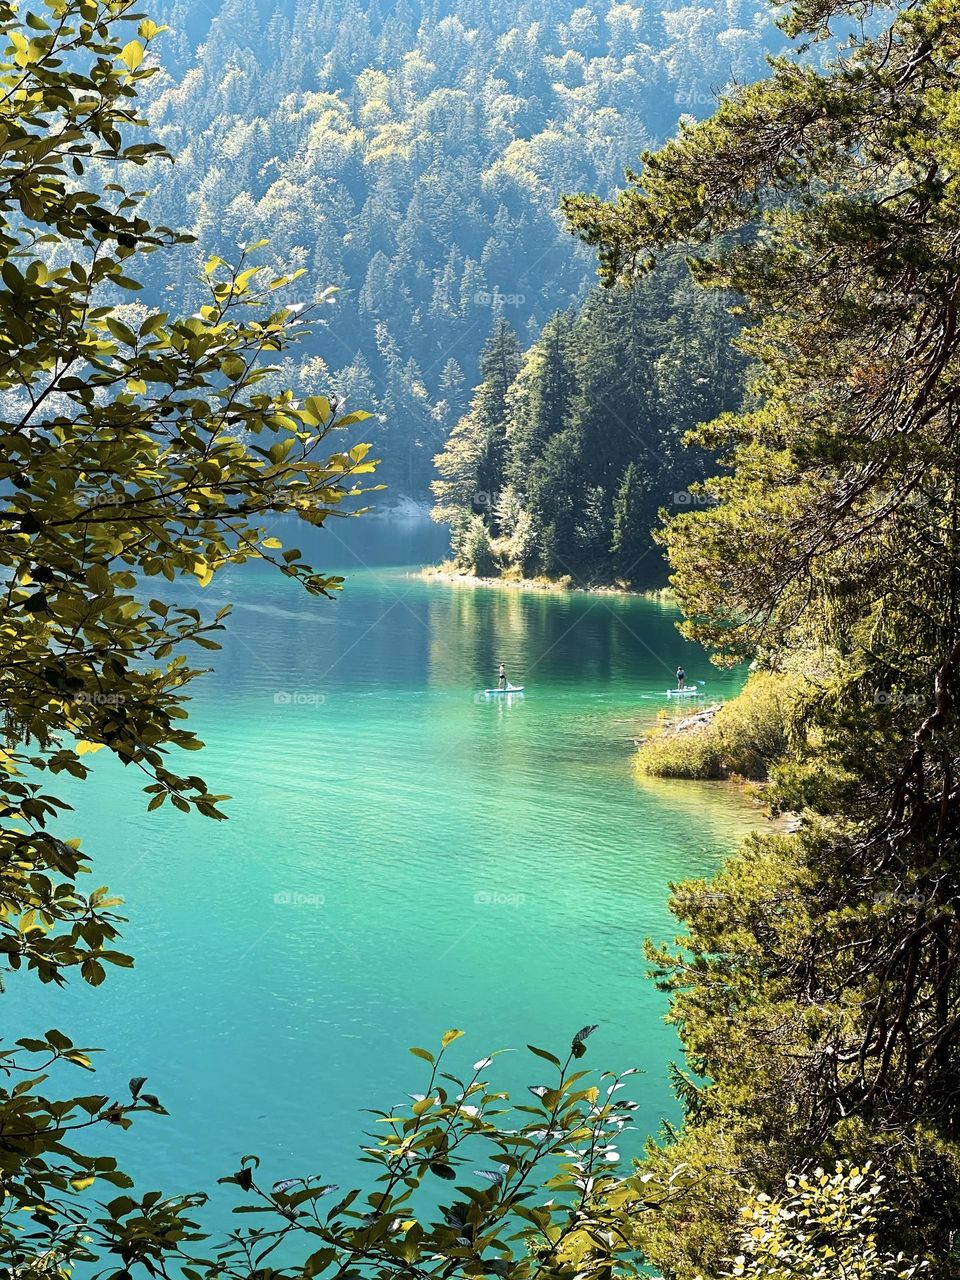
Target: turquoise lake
{"x":401,"y":857}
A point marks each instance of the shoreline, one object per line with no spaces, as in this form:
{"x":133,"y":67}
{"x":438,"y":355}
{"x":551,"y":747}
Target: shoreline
{"x":645,"y":726}
{"x":435,"y":573}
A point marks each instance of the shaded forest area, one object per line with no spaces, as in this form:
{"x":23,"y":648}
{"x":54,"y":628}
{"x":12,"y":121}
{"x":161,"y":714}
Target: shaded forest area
{"x":570,"y":449}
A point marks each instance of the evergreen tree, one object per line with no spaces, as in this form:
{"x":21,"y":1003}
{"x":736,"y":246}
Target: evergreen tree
{"x":554,"y":496}
{"x":595,"y":392}
{"x":476,"y":553}
{"x":634,"y":516}
{"x":541,"y":396}
{"x":457,"y":489}
{"x":616,"y":403}
{"x":817,"y":988}
{"x":451,"y":385}
{"x":499,"y":364}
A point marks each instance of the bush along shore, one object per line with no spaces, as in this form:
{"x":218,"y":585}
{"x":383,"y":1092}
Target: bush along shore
{"x":741,"y":739}
{"x":448,"y":571}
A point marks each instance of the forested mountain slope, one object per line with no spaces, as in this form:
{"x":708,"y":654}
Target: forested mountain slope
{"x":414,"y":155}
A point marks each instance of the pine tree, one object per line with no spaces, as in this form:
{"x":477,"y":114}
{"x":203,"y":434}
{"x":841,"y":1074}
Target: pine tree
{"x":499,"y":364}
{"x":541,"y":396}
{"x":451,"y":385}
{"x":817,"y":987}
{"x":634,"y":515}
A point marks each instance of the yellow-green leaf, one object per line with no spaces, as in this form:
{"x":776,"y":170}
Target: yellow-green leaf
{"x":132,"y":54}
{"x":318,"y":407}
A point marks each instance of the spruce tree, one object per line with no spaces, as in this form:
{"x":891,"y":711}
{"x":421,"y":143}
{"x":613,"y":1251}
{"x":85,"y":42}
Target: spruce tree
{"x":499,"y":364}
{"x":545,"y":387}
{"x":634,"y":515}
{"x":817,"y":987}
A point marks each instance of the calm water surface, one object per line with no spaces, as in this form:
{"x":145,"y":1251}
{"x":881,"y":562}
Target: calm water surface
{"x":401,"y":857}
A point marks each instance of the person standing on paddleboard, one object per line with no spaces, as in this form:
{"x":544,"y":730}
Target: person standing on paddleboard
{"x":502,"y":681}
{"x":681,"y":678}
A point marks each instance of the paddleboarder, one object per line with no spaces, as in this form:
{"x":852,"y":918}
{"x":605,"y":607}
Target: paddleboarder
{"x":502,"y":681}
{"x":681,"y":677}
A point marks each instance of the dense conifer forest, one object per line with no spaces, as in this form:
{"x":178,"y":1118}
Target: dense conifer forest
{"x":569,"y":450}
{"x":414,"y":155}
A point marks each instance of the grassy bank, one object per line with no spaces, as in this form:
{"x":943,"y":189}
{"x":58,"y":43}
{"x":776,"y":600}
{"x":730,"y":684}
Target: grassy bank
{"x":743,"y":738}
{"x":510,"y":578}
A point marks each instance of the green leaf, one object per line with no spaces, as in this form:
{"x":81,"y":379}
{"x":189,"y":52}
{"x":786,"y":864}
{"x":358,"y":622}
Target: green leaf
{"x":92,"y":971}
{"x":318,"y":407}
{"x":542,"y":1053}
{"x":123,"y":333}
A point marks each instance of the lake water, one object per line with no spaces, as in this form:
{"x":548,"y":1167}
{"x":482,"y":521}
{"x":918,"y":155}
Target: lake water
{"x":401,"y":857}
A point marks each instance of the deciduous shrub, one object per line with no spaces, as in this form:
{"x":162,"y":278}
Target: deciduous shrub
{"x":745,"y":737}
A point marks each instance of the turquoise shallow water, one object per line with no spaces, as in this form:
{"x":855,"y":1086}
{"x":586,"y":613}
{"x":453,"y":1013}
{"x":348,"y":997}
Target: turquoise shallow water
{"x":401,"y":857}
